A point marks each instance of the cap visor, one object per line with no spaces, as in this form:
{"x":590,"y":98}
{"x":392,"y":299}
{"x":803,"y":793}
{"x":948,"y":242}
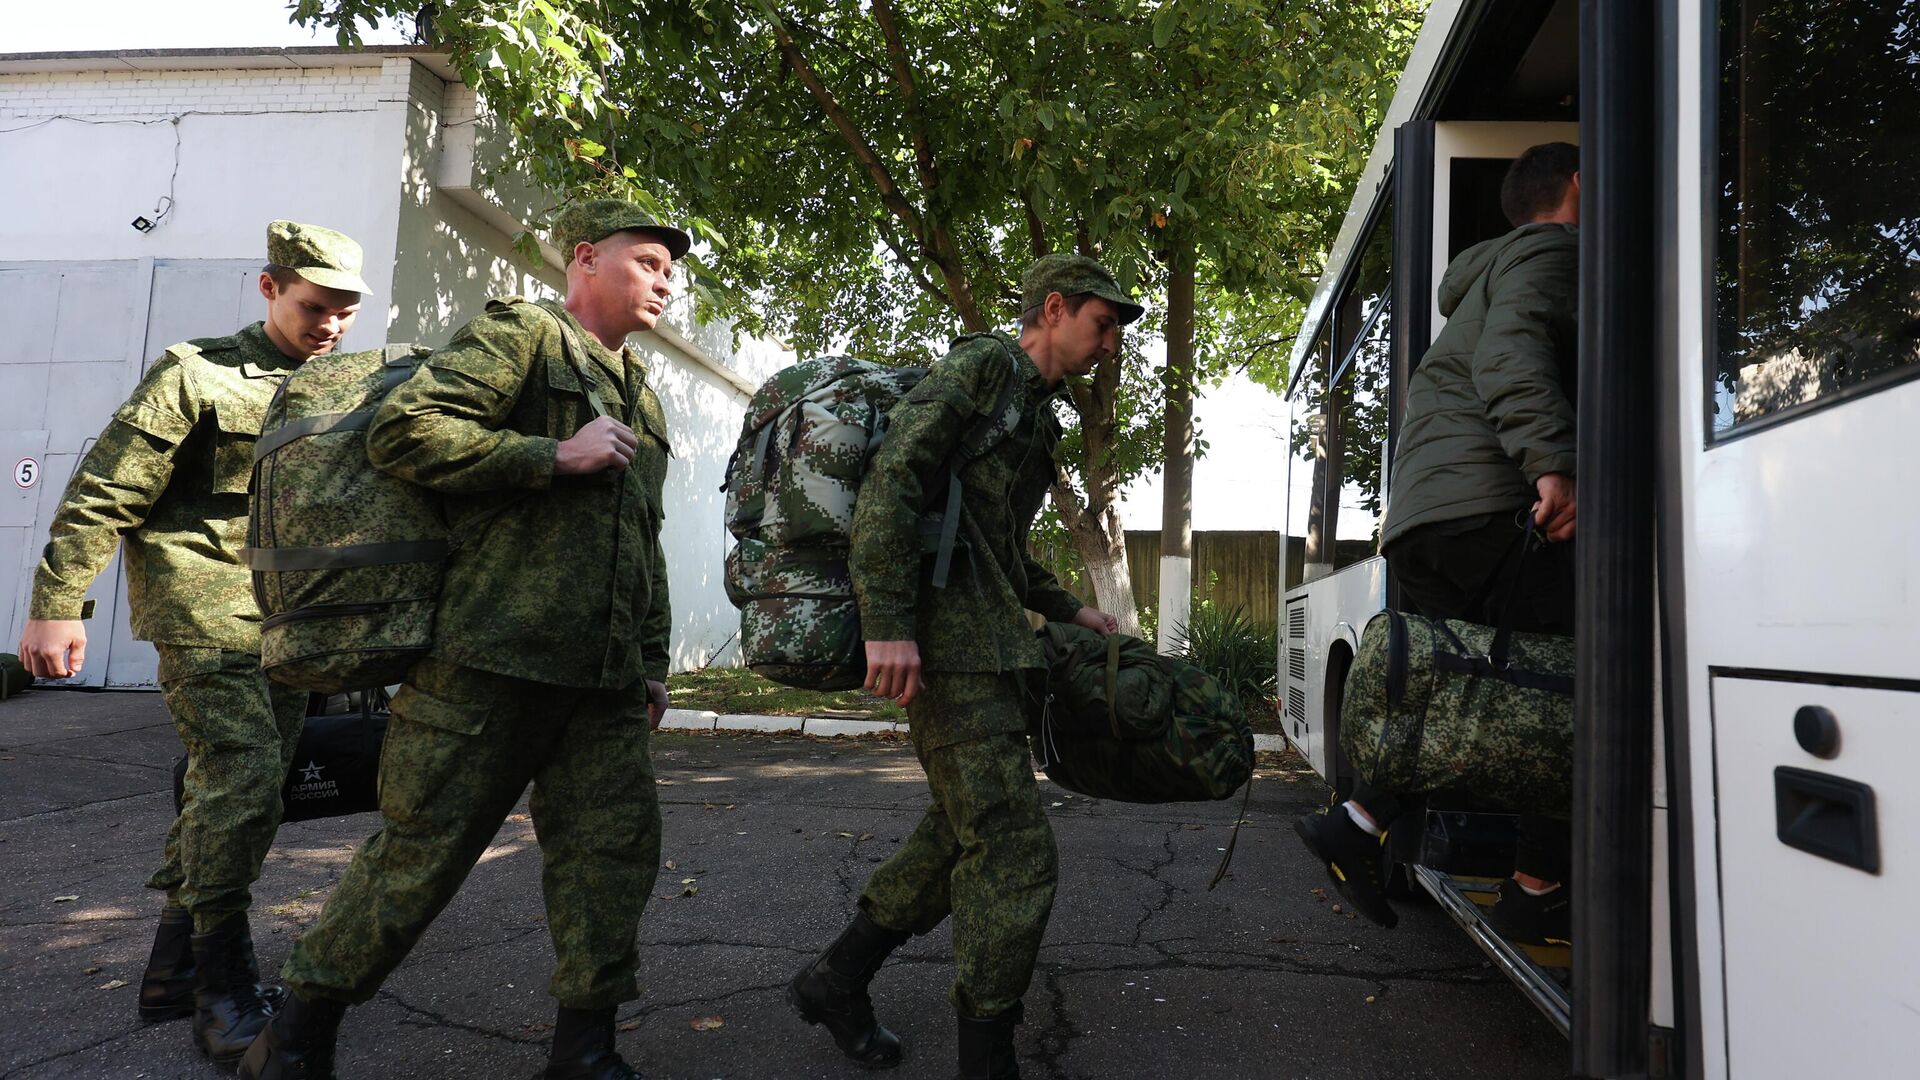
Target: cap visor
{"x":333,"y":279}
{"x":677,"y":242}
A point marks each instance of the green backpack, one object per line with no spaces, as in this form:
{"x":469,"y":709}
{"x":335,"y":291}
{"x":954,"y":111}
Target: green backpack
{"x":347,"y":561}
{"x":791,"y":484}
{"x":1123,"y":722}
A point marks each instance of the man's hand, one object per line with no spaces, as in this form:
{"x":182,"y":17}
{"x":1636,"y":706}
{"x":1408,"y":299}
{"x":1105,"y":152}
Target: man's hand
{"x":45,"y":644}
{"x":656,"y":703}
{"x":604,"y":444}
{"x":1554,"y":511}
{"x":893,"y":670}
{"x":1096,"y":620}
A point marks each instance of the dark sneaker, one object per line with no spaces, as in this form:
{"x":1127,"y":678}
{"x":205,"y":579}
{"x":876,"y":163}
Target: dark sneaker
{"x":1353,"y":860}
{"x":1525,"y":919}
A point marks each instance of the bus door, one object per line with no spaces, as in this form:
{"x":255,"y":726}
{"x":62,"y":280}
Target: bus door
{"x":1798,"y":317}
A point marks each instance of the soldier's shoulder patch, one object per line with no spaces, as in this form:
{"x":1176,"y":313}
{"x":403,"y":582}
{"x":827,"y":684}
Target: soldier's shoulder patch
{"x":185,"y":349}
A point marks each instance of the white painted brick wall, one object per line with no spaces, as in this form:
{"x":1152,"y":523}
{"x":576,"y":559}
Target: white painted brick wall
{"x":149,"y":94}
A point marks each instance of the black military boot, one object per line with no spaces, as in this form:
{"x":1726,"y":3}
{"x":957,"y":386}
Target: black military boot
{"x":832,"y":991}
{"x":166,"y":990}
{"x":986,"y":1046}
{"x":228,"y":1009}
{"x":298,"y":1043}
{"x":583,"y":1048}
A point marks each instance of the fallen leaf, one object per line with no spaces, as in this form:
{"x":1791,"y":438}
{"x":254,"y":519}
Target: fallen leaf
{"x":848,"y":835}
{"x":631,"y":1025}
{"x":91,"y":971}
{"x":113,"y":985}
{"x":691,"y":890}
{"x":537,"y":1026}
{"x":1337,"y":909}
{"x":671,"y":865}
{"x":866,"y":836}
{"x":66,"y":899}
{"x":1319,"y":894}
{"x":706,"y":1023}
{"x":1193,"y":828}
{"x":688,"y":880}
{"x":1370,"y":999}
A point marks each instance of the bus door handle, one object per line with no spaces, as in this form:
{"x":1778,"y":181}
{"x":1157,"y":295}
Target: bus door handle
{"x":1827,"y":816}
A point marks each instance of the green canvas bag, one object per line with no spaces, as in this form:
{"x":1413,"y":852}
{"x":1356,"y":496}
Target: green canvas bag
{"x":1123,"y":722}
{"x":1445,"y":704}
{"x":348,"y":561}
{"x":792,"y":482}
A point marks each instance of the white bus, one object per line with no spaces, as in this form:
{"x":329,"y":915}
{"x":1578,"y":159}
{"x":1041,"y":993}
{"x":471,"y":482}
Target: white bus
{"x":1746,"y":864}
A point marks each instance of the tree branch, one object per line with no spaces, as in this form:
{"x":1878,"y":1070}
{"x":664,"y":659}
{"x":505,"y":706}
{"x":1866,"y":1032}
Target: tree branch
{"x":909,"y":95}
{"x":892,"y":240}
{"x":1036,"y":229}
{"x":890,"y":195}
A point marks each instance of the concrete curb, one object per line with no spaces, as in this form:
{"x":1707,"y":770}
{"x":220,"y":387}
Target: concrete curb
{"x":692,"y":720}
{"x":700,"y":720}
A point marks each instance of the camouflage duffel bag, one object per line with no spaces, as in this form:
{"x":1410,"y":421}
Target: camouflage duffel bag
{"x":1123,"y":722}
{"x":347,"y":561}
{"x":1443,"y":704}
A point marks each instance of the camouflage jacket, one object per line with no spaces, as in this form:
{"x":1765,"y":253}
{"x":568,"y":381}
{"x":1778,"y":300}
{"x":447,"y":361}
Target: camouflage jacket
{"x":559,"y":580}
{"x":169,"y":476}
{"x":976,"y":623}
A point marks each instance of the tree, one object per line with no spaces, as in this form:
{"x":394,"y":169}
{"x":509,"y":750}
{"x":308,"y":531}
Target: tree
{"x":873,"y":178}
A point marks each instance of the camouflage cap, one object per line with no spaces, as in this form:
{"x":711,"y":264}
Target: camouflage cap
{"x":596,"y":219}
{"x":1073,"y":275}
{"x":322,"y":256}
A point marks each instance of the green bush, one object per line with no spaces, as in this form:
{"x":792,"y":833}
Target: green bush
{"x":1242,"y":654}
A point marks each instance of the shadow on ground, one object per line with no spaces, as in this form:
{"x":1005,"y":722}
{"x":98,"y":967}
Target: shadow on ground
{"x":1145,"y":972}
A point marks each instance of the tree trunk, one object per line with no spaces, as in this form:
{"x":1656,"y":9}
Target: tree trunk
{"x":1102,"y":546}
{"x":1176,"y":499}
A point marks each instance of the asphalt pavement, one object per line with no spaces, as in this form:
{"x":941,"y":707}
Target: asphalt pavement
{"x":1145,"y":972}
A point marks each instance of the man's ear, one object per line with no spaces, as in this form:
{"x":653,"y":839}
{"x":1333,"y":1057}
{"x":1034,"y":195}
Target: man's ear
{"x":1053,"y":309}
{"x":269,"y":288}
{"x":587,"y":257}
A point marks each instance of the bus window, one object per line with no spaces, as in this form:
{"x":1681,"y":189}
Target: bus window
{"x":1305,"y":460}
{"x":1817,"y":278}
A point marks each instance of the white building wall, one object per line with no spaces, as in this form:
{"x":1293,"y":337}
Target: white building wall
{"x":88,"y":151}
{"x":376,"y":146}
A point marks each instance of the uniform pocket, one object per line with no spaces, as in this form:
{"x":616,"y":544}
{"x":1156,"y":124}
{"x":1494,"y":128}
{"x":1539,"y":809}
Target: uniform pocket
{"x":429,"y":741}
{"x":238,"y":426}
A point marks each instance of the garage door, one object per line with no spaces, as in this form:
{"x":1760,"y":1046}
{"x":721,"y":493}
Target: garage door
{"x":79,"y":335}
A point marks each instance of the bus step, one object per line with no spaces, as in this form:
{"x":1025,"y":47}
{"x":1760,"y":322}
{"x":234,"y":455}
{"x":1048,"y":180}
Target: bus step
{"x":1540,"y":984}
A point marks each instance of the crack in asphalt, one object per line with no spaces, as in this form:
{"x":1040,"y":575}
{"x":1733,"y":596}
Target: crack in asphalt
{"x":31,"y":752}
{"x":79,"y":806}
{"x":51,"y":1058}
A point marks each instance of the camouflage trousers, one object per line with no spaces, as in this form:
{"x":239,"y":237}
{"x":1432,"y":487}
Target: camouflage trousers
{"x":240,"y":731}
{"x":982,"y":853}
{"x":461,"y":748}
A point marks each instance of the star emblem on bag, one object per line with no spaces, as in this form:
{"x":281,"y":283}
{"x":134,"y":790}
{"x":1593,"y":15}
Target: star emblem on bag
{"x":311,"y":774}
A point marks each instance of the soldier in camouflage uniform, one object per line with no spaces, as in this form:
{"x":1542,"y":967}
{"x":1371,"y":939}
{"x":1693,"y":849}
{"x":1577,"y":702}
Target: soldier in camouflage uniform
{"x":958,"y":657}
{"x":1487,"y":450}
{"x":550,"y":648}
{"x":169,"y":477}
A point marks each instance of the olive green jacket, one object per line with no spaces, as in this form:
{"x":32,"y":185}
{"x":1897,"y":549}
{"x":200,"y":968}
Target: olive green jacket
{"x":169,"y":477}
{"x":976,"y":623}
{"x":1490,"y":408}
{"x":559,"y":580}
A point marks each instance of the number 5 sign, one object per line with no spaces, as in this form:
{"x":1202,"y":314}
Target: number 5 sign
{"x":26,"y":472}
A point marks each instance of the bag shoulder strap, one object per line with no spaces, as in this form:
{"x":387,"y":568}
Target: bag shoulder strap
{"x":572,"y":350}
{"x":981,"y":437}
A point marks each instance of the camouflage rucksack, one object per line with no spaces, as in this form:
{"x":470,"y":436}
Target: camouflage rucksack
{"x":1123,"y":722}
{"x":791,"y":484}
{"x":1436,"y":704}
{"x":347,"y":561}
